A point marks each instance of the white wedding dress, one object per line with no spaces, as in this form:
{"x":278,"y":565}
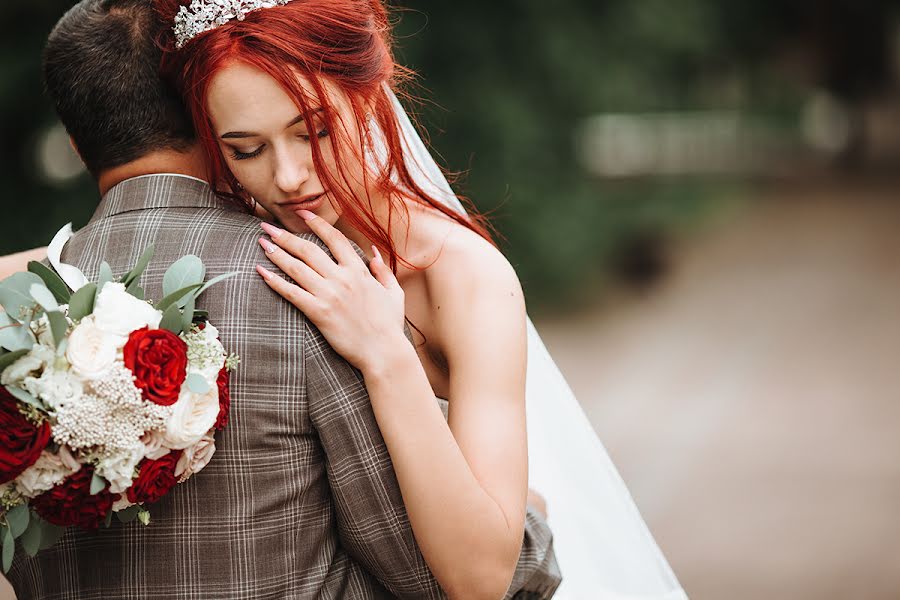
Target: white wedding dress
{"x":603,"y":546}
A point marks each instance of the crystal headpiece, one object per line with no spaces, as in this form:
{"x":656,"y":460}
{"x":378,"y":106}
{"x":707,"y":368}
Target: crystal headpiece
{"x":206,"y":15}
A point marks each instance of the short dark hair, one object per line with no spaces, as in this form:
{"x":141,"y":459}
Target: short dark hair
{"x":101,"y":70}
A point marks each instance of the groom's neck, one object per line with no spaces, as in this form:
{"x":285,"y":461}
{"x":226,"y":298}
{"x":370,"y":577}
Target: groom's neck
{"x":190,"y":162}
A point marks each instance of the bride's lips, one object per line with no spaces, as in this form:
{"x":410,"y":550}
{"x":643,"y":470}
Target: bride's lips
{"x":310,"y":203}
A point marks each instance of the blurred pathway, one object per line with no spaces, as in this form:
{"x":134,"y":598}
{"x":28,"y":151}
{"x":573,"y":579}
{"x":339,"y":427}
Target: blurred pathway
{"x":752,"y":401}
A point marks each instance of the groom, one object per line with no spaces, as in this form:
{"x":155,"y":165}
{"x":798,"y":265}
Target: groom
{"x":300,"y":500}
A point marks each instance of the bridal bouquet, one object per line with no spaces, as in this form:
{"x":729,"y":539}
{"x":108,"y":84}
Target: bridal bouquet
{"x":107,"y":400}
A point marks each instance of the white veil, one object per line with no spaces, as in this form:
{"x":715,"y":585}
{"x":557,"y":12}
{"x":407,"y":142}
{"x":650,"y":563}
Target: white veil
{"x":603,"y":546}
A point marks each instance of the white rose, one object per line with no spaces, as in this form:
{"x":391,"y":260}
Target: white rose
{"x":211,"y":332}
{"x":49,"y":470}
{"x":192,"y":416}
{"x":118,"y":469}
{"x":55,"y":388}
{"x":119,"y":313}
{"x":194,"y":458}
{"x":33,"y":362}
{"x":91,"y":350}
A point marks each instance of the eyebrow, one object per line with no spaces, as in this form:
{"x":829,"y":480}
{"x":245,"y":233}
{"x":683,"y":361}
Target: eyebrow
{"x":246,"y":134}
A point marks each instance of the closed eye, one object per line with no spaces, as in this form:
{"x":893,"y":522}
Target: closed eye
{"x":238,"y":155}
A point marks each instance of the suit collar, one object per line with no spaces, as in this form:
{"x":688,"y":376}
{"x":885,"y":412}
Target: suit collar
{"x":163,"y":190}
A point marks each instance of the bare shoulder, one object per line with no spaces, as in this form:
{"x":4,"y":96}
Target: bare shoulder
{"x":477,"y":303}
{"x":469,"y":268}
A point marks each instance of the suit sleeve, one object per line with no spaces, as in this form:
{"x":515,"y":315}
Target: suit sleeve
{"x":371,"y":518}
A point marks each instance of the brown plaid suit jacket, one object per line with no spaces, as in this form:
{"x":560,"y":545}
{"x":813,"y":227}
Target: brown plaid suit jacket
{"x":300,"y":500}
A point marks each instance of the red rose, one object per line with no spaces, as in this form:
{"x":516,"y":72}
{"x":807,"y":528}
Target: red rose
{"x":71,"y":502}
{"x":224,"y":399}
{"x":158,"y":359}
{"x":155,"y":479}
{"x":21,"y":441}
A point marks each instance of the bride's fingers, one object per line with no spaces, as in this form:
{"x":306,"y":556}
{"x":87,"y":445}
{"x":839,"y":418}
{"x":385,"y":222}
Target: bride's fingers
{"x":336,"y":241}
{"x":304,"y":250}
{"x":304,"y":275}
{"x":381,"y":271}
{"x":294,"y":294}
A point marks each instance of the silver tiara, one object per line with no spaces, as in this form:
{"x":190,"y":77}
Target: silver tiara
{"x":206,"y":15}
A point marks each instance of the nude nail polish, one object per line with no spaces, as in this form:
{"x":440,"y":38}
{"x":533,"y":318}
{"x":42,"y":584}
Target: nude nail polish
{"x":271,"y":230}
{"x":268,"y":246}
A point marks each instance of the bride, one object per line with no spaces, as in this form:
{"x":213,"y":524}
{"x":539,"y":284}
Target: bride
{"x":293,"y":101}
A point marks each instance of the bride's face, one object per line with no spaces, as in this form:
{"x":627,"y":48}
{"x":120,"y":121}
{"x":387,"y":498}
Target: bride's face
{"x":267,"y":147}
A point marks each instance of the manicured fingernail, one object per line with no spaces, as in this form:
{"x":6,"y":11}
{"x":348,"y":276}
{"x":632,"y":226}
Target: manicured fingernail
{"x":271,"y":229}
{"x":266,"y":274}
{"x":377,"y":253}
{"x":268,"y":246}
{"x":307,"y":216}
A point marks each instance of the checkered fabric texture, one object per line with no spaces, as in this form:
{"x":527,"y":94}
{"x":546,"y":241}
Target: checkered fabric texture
{"x":300,"y":499}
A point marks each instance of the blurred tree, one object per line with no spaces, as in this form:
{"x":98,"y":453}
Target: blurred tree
{"x":508,"y":83}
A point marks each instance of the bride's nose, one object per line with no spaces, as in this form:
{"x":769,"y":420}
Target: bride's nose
{"x":291,"y":172}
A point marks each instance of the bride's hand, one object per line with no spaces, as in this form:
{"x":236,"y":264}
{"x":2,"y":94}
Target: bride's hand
{"x":359,"y":309}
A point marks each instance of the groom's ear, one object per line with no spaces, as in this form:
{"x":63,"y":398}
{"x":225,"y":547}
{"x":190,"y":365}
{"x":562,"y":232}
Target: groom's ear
{"x":75,"y":148}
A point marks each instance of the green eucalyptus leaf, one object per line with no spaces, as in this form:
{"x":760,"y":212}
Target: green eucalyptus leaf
{"x":177,"y":297}
{"x":216,"y":280}
{"x":14,"y":335}
{"x":108,"y":520}
{"x":98,"y":484}
{"x":81,"y":304}
{"x":44,"y":297}
{"x":106,"y":276}
{"x":31,"y":539}
{"x":136,"y":290}
{"x":135,"y":274}
{"x":186,"y":271}
{"x":10,"y":357}
{"x":171,"y":319}
{"x":17,"y":519}
{"x":23,"y":396}
{"x":50,"y":533}
{"x":197,"y":384}
{"x":58,"y":326}
{"x":127,"y":515}
{"x":15,"y":293}
{"x":187,"y":315}
{"x":54,"y":282}
{"x":9,"y":549}
{"x":62,"y":346}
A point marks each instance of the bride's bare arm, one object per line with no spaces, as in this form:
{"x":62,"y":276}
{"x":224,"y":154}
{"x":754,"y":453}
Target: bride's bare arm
{"x":12,"y":263}
{"x":464,"y":483}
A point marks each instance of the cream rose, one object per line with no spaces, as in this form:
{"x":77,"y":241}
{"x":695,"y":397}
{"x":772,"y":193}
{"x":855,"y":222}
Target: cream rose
{"x":119,"y":313}
{"x":49,"y":470}
{"x":192,"y":416}
{"x":92,"y":350}
{"x":195,"y":457}
{"x":154,"y":445}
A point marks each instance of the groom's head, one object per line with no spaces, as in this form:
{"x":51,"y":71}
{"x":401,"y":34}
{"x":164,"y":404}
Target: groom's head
{"x":101,"y":71}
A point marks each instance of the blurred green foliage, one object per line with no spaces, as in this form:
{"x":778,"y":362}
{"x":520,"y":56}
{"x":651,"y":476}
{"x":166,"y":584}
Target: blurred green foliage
{"x":506,"y":85}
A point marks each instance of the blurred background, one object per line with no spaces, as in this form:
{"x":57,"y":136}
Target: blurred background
{"x":701,"y":200}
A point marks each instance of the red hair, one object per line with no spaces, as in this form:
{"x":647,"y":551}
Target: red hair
{"x":347,"y":42}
